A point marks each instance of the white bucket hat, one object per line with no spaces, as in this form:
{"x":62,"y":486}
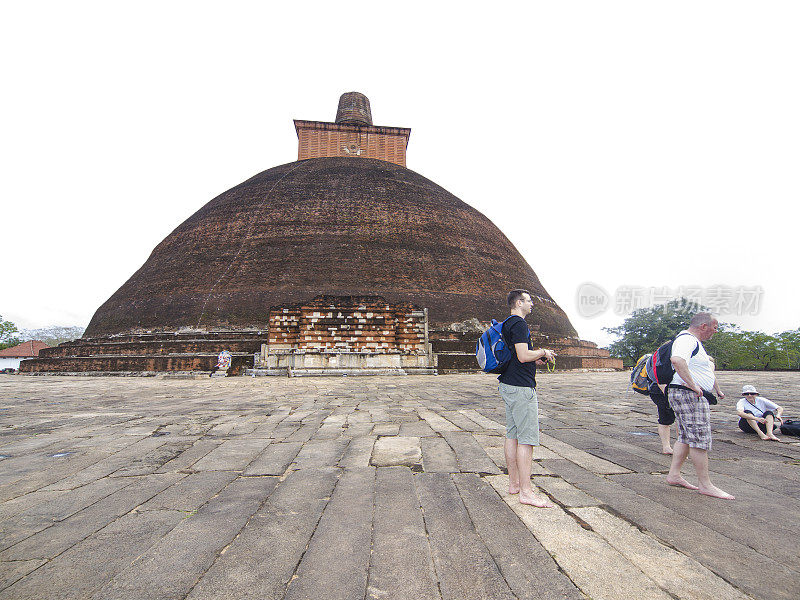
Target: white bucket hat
{"x":748,"y":389}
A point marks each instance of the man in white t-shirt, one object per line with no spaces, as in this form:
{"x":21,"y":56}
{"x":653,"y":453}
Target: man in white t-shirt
{"x":758,"y":414}
{"x":694,"y":373}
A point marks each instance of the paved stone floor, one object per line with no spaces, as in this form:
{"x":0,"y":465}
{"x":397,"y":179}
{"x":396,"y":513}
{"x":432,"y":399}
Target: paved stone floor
{"x":384,"y":487}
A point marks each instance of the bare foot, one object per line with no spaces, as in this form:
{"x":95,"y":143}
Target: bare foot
{"x":774,"y":438}
{"x":681,"y":482}
{"x":666,"y":451}
{"x":715,"y":492}
{"x":763,"y":436}
{"x":532,"y":500}
{"x":513,"y":489}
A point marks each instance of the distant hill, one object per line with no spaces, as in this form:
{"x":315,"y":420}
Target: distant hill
{"x":52,"y":336}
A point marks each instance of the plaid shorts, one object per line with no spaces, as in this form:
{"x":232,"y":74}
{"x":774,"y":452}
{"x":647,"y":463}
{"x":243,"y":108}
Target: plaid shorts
{"x":692,"y":417}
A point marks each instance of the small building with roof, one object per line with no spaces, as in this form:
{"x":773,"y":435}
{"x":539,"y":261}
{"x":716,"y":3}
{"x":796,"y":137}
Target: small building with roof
{"x":11,"y":357}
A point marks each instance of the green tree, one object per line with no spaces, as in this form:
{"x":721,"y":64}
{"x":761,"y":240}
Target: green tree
{"x":647,"y":328}
{"x":7,"y":331}
{"x":732,"y":349}
{"x":729,"y":349}
{"x":789,"y":342}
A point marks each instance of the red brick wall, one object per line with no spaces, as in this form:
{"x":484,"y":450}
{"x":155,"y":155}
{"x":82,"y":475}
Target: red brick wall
{"x":321,"y":140}
{"x":350,"y":324}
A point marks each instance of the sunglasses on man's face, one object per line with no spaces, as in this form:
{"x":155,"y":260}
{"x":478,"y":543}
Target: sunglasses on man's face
{"x":750,"y":394}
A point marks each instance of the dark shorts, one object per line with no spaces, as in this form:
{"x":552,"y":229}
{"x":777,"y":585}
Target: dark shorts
{"x":745,"y":426}
{"x":666,"y":416}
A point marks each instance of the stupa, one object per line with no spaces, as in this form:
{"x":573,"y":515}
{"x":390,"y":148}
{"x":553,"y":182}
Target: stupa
{"x":347,"y":219}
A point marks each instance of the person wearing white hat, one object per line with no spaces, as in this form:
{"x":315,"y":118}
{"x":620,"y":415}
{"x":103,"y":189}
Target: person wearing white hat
{"x":758,"y":414}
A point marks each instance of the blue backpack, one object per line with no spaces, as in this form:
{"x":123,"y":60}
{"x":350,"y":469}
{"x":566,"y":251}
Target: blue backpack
{"x":491,"y":351}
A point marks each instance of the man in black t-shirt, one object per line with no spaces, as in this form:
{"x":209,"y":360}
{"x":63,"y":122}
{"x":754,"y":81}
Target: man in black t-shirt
{"x":518,"y":390}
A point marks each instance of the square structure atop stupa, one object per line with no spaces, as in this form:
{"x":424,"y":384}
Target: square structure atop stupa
{"x":352,"y":134}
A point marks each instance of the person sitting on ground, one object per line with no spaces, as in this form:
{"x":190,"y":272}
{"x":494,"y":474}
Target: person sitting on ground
{"x":758,"y":414}
{"x":223,"y":363}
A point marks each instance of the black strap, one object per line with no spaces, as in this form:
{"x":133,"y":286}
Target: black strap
{"x":697,"y":348}
{"x":754,"y":406}
{"x":680,"y":387}
{"x":503,"y":330}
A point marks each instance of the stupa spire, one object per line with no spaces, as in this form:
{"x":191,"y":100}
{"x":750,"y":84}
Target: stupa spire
{"x":352,"y":134}
{"x":354,"y":109}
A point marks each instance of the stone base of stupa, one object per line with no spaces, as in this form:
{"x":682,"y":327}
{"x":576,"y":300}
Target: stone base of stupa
{"x":455,"y":352}
{"x":149,"y":353}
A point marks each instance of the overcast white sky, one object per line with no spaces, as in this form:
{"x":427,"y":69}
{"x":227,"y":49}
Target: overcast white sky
{"x":639,"y":143}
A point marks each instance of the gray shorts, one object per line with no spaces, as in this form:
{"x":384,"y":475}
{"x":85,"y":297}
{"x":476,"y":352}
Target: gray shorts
{"x":522,"y":413}
{"x":692,"y":416}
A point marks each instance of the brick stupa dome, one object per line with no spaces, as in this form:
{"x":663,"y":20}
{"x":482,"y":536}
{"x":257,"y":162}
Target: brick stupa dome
{"x":334,"y":225}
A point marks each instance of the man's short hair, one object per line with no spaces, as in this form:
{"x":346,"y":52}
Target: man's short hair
{"x":515,"y":295}
{"x":702,"y":318}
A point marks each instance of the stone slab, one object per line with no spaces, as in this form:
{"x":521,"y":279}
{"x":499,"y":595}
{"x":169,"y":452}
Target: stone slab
{"x":324,"y":453}
{"x":579,"y":457}
{"x":358,"y":453}
{"x":675,"y":572}
{"x":438,"y":456}
{"x":381,"y":429}
{"x":436,"y":421}
{"x":471,"y":457}
{"x":54,"y":540}
{"x":748,"y":570}
{"x":401,"y":565}
{"x":527,"y":567}
{"x":73,"y":437}
{"x":570,"y":544}
{"x":171,"y":567}
{"x":416,"y":429}
{"x":336,"y":562}
{"x":464,"y":565}
{"x":82,"y":569}
{"x":107,"y":466}
{"x":275,"y":459}
{"x":231,"y":455}
{"x":483,"y":421}
{"x":391,"y":451}
{"x":191,"y":492}
{"x":721,"y":516}
{"x":260,"y":562}
{"x":459,"y":420}
{"x":564,"y":493}
{"x":10,"y":572}
{"x":187,"y":458}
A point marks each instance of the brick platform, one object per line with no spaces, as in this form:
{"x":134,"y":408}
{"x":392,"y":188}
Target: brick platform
{"x":455,"y":352}
{"x":148,"y":354}
{"x":346,"y":335}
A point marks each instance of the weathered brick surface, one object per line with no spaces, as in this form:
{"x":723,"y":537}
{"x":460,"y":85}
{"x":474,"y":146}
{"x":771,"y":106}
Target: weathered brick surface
{"x":145,"y":348}
{"x":133,"y":364}
{"x":349,"y":323}
{"x":318,"y":140}
{"x":335,"y":226}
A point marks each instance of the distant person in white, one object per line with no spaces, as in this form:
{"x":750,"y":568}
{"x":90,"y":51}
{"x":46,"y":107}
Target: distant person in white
{"x":758,"y":414}
{"x":693,"y":375}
